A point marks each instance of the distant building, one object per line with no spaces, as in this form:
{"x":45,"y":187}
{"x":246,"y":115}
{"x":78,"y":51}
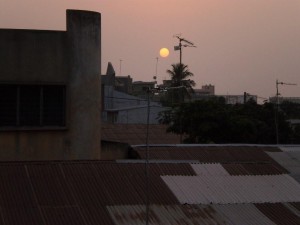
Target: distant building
{"x":123,"y":84}
{"x":139,"y":88}
{"x":284,"y":99}
{"x":238,"y":99}
{"x":122,"y":108}
{"x":50,"y":91}
{"x":205,"y":90}
{"x":169,"y":83}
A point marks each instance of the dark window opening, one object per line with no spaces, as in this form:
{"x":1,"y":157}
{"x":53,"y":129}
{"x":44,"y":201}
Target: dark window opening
{"x":32,"y":105}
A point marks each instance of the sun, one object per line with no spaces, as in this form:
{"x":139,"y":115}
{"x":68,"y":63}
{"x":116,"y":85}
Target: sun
{"x":164,"y":52}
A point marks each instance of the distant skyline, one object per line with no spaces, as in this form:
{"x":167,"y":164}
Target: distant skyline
{"x":242,"y":45}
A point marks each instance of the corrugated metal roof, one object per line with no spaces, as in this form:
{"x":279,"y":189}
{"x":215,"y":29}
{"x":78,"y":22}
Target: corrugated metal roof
{"x":210,"y":169}
{"x":78,"y":192}
{"x":98,"y":192}
{"x":207,"y":154}
{"x":116,"y":179}
{"x":290,"y":160}
{"x":167,"y":214}
{"x":279,"y":214}
{"x":286,"y":159}
{"x":237,"y":160}
{"x":233,"y":189}
{"x":235,"y":214}
{"x":243,"y":214}
{"x":295,"y":148}
{"x":135,"y":134}
{"x":63,"y":215}
{"x":254,"y":169}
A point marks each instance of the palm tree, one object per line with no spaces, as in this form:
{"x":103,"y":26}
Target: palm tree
{"x":179,"y":78}
{"x":179,"y":74}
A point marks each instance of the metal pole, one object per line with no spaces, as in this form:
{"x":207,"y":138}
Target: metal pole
{"x":277,"y":111}
{"x":156,"y":66}
{"x":121,"y":67}
{"x":180,"y":52}
{"x":147,"y":169}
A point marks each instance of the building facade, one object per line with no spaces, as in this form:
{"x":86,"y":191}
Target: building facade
{"x":120,"y":107}
{"x":50,"y":103}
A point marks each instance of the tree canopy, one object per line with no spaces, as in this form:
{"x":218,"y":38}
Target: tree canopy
{"x":214,"y":121}
{"x":179,"y":76}
{"x":181,"y":85}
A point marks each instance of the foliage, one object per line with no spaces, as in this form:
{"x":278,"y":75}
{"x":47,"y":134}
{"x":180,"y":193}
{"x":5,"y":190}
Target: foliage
{"x":179,"y":75}
{"x":214,"y":121}
{"x":182,"y":86}
{"x":291,"y":109}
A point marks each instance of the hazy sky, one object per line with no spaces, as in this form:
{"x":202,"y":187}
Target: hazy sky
{"x":242,"y":45}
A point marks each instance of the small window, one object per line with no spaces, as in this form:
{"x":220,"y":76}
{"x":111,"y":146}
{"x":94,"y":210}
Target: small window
{"x":32,"y":105}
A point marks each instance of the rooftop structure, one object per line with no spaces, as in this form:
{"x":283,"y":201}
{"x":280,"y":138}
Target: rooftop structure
{"x":257,"y":187}
{"x":50,"y":91}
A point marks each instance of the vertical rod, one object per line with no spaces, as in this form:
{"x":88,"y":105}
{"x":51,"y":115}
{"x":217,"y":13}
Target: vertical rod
{"x":180,"y":50}
{"x":156,"y":66}
{"x":277,"y":112}
{"x":121,"y":67}
{"x":147,"y":169}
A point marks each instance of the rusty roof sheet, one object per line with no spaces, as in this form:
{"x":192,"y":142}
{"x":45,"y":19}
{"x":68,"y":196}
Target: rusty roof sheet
{"x":254,"y":169}
{"x":280,"y":214}
{"x":135,"y":134}
{"x":233,"y":214}
{"x":167,"y":214}
{"x":233,"y":189}
{"x":78,"y":192}
{"x":99,"y":192}
{"x":245,"y":214}
{"x":208,"y":154}
{"x":237,"y":160}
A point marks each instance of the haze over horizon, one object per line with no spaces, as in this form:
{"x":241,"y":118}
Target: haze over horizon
{"x":241,"y":45}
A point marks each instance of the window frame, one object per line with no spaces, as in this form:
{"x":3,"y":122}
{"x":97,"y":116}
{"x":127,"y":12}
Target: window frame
{"x":41,"y":125}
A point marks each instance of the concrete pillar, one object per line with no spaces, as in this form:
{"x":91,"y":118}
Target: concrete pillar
{"x":84,"y":87}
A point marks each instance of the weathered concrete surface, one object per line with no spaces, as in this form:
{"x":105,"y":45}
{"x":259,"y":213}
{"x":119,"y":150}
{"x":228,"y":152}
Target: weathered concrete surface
{"x":71,"y":57}
{"x":33,"y":56}
{"x":84,"y":82}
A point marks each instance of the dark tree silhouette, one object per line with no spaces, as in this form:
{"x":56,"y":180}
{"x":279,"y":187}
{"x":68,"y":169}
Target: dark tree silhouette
{"x":214,"y":121}
{"x":179,"y":76}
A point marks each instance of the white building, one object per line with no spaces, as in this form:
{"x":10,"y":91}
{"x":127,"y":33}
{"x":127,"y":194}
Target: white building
{"x":122,"y":108}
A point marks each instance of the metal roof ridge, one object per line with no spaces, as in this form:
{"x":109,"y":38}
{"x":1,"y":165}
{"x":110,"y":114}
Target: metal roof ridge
{"x":218,"y":145}
{"x":170,"y":161}
{"x":134,"y":107}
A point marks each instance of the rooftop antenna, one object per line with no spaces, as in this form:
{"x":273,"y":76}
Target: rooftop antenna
{"x":156,"y":66}
{"x":179,"y":47}
{"x":155,"y":76}
{"x":277,"y":108}
{"x":121,"y":67}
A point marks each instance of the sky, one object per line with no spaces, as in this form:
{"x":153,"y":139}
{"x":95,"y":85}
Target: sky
{"x":242,"y":45}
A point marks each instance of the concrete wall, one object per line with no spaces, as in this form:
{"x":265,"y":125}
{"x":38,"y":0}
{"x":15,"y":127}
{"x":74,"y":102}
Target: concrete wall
{"x":114,"y":150}
{"x":33,"y":56}
{"x":71,"y":57}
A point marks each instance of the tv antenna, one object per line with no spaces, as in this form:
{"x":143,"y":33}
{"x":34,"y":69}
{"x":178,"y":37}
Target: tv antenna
{"x":182,"y":43}
{"x":277,"y":108}
{"x":282,"y":83}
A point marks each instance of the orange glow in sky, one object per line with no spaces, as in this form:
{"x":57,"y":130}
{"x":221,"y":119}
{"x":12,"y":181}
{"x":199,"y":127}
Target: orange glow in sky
{"x":242,"y":46}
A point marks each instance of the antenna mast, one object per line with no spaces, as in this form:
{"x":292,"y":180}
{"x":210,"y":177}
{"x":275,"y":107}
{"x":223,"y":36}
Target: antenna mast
{"x":179,"y":47}
{"x":277,"y":108}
